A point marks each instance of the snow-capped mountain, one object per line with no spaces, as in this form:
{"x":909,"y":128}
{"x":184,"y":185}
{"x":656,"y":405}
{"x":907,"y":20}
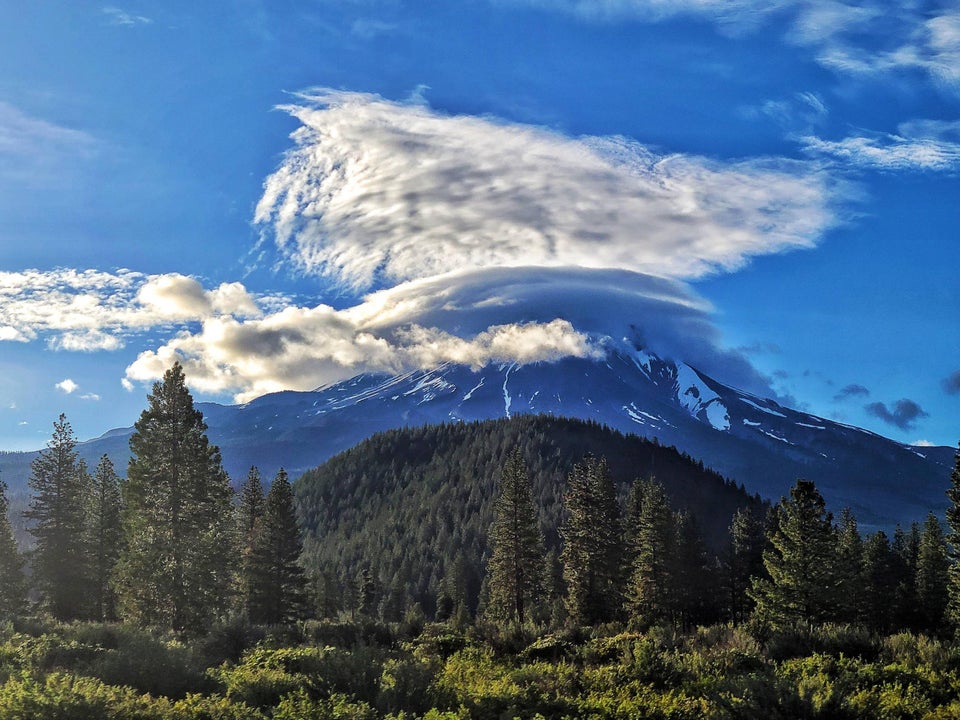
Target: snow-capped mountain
{"x":750,"y":439}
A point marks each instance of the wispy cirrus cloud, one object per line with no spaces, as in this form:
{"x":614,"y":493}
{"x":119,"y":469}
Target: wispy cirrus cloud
{"x":854,"y":37}
{"x":35,"y":151}
{"x":118,"y":16}
{"x":379,"y":192}
{"x":904,"y":414}
{"x":921,"y":145}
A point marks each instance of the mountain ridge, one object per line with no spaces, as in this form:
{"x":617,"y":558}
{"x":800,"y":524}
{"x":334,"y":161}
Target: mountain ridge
{"x":748,"y":438}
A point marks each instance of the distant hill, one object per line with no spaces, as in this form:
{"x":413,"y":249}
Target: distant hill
{"x":416,"y":504}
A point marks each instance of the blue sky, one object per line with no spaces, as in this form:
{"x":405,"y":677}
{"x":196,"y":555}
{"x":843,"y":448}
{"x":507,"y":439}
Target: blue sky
{"x":285,"y":194}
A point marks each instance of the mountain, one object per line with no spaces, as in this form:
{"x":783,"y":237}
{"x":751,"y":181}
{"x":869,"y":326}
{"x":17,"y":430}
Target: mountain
{"x":414,"y":506}
{"x":750,"y":439}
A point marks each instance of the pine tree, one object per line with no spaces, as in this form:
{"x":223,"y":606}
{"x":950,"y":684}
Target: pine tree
{"x":694,"y":576}
{"x":800,"y":561}
{"x":652,"y":588}
{"x":881,"y":579}
{"x":58,"y":483}
{"x":250,"y":519}
{"x":905,"y":552}
{"x":744,"y":561}
{"x":278,"y":593}
{"x":933,"y":568}
{"x":515,"y":569}
{"x":104,"y":538}
{"x":592,"y":545}
{"x":178,"y":564}
{"x":953,"y":544}
{"x":850,"y":580}
{"x":13,"y":584}
{"x":364,"y":592}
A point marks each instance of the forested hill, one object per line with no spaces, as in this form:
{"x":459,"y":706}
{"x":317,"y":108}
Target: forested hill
{"x":414,"y":505}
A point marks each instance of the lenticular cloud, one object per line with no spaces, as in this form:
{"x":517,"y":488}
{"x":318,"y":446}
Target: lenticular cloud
{"x":375,"y":193}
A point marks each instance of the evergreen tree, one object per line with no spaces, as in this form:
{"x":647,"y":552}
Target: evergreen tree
{"x":178,"y":564}
{"x":278,"y":593}
{"x":905,"y":551}
{"x":881,"y":579}
{"x":694,"y":576}
{"x":515,"y":569}
{"x":744,"y":561}
{"x":250,"y":518}
{"x":13,"y":585}
{"x":933,"y":567}
{"x":800,"y":561}
{"x":104,"y":538}
{"x":592,"y":545}
{"x":364,"y":592}
{"x":652,"y":589}
{"x":57,"y":508}
{"x":953,"y":544}
{"x":850,"y":580}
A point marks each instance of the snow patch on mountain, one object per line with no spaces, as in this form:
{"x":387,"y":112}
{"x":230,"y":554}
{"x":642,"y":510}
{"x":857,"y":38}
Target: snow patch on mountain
{"x":756,"y":406}
{"x":696,"y":397}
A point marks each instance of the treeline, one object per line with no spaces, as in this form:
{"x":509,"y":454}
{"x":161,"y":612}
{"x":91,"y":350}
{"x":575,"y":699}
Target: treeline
{"x":411,"y":509}
{"x":645,"y":564}
{"x":172,"y":546}
{"x":167,"y":546}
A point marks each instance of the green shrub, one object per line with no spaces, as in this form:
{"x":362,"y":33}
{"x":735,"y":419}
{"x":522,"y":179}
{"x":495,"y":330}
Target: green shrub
{"x":265,"y":675}
{"x":300,"y":706}
{"x":59,"y":696}
{"x":408,"y":684}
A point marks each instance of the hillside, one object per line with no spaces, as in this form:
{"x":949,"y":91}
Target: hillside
{"x":415,"y":504}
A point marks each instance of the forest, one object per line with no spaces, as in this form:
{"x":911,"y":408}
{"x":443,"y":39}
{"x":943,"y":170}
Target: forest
{"x":527,"y":568}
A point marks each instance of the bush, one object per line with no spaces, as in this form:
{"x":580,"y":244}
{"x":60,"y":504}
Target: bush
{"x":64,"y":697}
{"x":265,"y":675}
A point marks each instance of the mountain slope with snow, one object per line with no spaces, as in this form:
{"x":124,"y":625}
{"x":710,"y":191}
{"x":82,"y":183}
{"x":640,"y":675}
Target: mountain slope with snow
{"x":749,"y":439}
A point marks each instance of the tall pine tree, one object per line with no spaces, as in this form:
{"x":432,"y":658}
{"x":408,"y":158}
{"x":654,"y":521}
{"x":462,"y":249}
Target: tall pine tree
{"x":592,"y":554}
{"x":250,"y":519}
{"x":953,"y":544}
{"x":179,"y":559}
{"x":13,"y":586}
{"x":933,"y":568}
{"x":57,"y":509}
{"x":515,"y":570}
{"x":744,"y":561}
{"x":800,"y":561}
{"x":278,"y":591}
{"x":850,"y":578}
{"x":104,"y":538}
{"x":652,"y":589}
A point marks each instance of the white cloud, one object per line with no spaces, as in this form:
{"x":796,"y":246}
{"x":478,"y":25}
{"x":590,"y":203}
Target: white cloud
{"x":91,"y":310}
{"x":116,"y":16}
{"x":736,"y":14}
{"x":850,"y":36}
{"x":67,"y":385}
{"x":919,"y":146}
{"x":476,"y":317}
{"x":90,"y":396}
{"x":127,"y":385}
{"x":379,"y":192}
{"x":922,"y":443}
